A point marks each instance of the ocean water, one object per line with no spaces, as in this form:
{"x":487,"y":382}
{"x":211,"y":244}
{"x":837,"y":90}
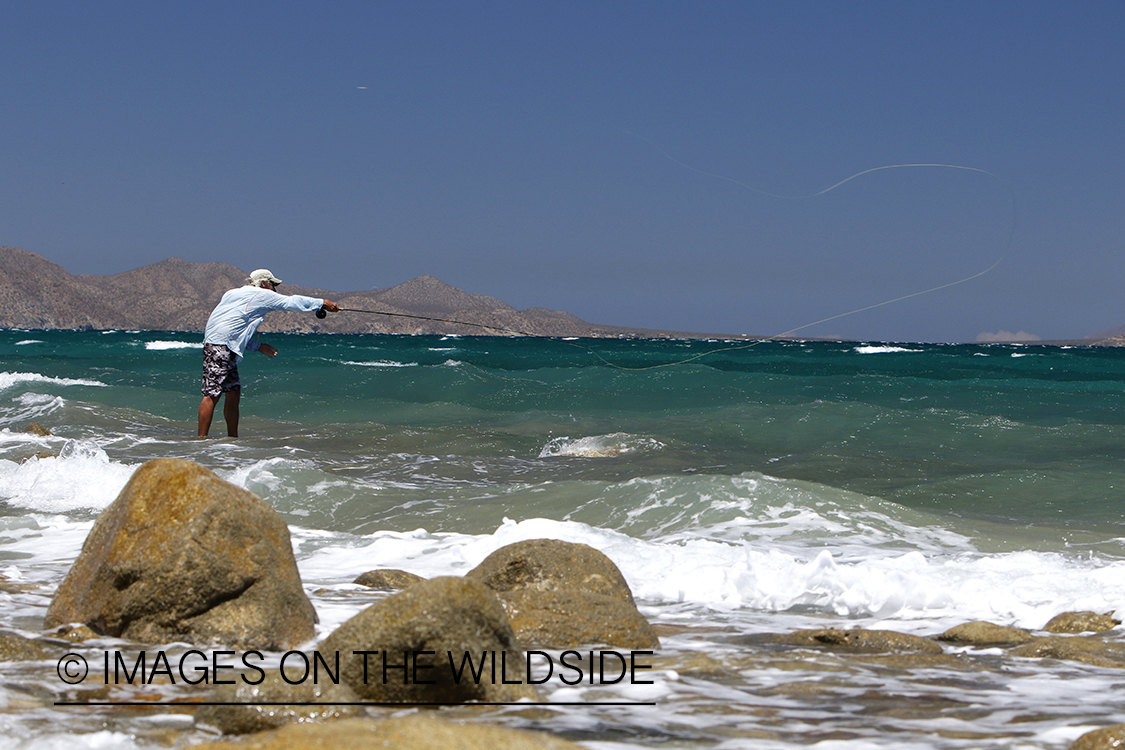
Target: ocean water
{"x":754,"y":489}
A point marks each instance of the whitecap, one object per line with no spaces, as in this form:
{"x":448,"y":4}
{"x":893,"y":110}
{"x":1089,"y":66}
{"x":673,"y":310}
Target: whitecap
{"x":28,"y":341}
{"x":162,"y":345}
{"x":882,"y":349}
{"x":381,"y":363}
{"x":13,"y":379}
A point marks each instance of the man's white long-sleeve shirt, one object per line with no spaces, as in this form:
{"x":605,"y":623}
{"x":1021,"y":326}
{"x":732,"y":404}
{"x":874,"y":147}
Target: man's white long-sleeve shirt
{"x":235,"y":320}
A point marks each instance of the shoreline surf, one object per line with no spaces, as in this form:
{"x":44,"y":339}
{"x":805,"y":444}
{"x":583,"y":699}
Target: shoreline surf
{"x":791,"y":485}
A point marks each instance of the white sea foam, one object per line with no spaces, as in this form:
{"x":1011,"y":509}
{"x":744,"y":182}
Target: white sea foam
{"x":273,"y":477}
{"x":883,"y":349}
{"x":29,"y":407}
{"x":749,"y":543}
{"x":82,"y":476}
{"x":25,"y":342}
{"x":104,"y":740}
{"x":163,"y":345}
{"x":41,"y":540}
{"x":381,"y":363}
{"x":919,"y":591}
{"x":16,"y":379}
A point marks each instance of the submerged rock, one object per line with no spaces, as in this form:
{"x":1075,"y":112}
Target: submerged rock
{"x":1087,"y":649}
{"x":390,"y":579}
{"x":76,"y":633}
{"x":417,"y":732}
{"x":15,"y":647}
{"x":1106,"y":738}
{"x":37,"y":429}
{"x":183,"y":555}
{"x":432,"y":628}
{"x":982,"y":633}
{"x":867,"y":641}
{"x":564,"y":595}
{"x":1081,"y":622}
{"x":244,"y":708}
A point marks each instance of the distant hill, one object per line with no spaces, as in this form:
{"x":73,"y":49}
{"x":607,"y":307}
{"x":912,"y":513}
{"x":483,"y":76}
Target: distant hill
{"x":178,"y":295}
{"x":1112,"y":337}
{"x":1111,"y":333}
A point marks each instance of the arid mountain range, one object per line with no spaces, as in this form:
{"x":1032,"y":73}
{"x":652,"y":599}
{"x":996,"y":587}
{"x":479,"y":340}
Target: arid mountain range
{"x":178,"y":295}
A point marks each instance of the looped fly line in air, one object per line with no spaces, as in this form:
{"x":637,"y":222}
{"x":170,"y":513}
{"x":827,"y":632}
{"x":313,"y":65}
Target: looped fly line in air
{"x":865,"y":308}
{"x":791,"y":331}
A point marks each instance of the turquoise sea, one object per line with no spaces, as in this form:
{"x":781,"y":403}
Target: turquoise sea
{"x":755,"y":489}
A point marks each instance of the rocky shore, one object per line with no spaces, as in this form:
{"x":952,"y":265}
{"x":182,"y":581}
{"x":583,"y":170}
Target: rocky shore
{"x":186,"y":568}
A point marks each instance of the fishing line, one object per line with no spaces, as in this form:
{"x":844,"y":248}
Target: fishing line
{"x":321,"y":313}
{"x":791,"y":331}
{"x":785,"y":334}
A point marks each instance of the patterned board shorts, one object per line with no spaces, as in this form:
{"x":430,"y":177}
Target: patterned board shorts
{"x":220,"y":370}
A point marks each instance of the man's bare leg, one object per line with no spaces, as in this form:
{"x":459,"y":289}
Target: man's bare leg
{"x":230,"y":411}
{"x":206,"y":411}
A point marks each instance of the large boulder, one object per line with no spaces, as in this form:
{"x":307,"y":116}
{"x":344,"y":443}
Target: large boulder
{"x":182,"y":555}
{"x":563,"y":595}
{"x":432,"y":627}
{"x":551,"y":565}
{"x":570,"y":619}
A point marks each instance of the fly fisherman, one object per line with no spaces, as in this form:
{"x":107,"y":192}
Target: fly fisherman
{"x":230,"y":333}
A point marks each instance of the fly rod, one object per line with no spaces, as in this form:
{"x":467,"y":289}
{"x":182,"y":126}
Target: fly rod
{"x":322,"y":313}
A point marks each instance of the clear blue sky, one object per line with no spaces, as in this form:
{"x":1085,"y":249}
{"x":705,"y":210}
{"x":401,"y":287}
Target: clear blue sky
{"x":596,"y":157}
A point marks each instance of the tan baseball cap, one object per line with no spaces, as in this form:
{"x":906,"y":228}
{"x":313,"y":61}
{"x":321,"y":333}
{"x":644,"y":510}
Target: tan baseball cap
{"x":262,"y":274}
